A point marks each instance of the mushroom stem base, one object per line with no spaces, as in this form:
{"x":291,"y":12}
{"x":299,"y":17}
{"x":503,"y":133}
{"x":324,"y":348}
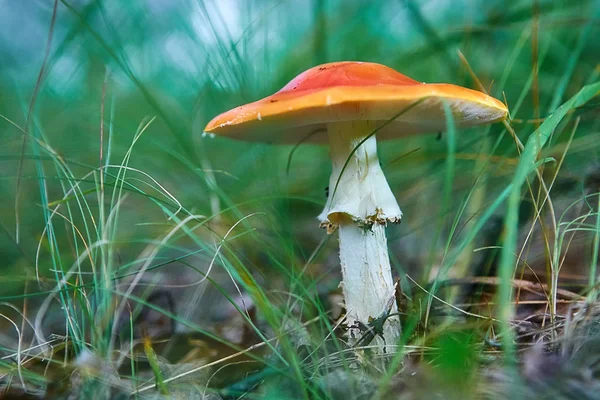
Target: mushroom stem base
{"x":368,"y":286}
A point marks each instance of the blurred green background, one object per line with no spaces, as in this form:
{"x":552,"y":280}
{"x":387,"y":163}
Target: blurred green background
{"x":183,"y":62}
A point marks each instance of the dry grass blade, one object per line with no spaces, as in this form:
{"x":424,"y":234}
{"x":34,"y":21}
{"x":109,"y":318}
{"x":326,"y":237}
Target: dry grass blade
{"x":230,"y":357}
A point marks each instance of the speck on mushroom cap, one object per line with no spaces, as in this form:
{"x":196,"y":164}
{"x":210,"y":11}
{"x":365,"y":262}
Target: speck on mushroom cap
{"x":349,"y":91}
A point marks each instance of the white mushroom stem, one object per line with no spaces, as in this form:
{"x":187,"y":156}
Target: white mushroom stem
{"x":360,"y":204}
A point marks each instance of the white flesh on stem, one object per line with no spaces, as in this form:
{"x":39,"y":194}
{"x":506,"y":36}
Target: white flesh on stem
{"x":360,"y":204}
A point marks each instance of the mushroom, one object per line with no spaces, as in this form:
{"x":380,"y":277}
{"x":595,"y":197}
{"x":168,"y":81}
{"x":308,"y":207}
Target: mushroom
{"x":350,"y":101}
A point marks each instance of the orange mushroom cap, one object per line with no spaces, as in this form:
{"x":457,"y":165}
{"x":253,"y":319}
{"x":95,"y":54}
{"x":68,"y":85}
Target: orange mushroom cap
{"x":350,"y":91}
